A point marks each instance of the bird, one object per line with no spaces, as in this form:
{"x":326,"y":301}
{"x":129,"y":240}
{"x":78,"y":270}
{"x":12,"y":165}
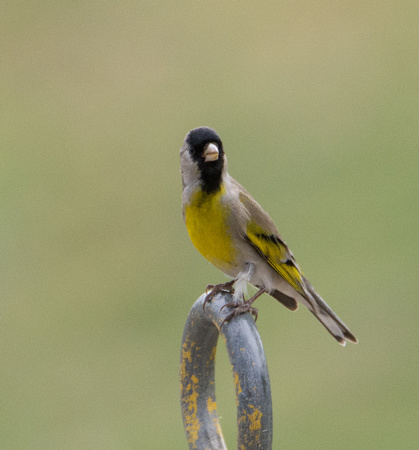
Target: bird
{"x":232,"y":231}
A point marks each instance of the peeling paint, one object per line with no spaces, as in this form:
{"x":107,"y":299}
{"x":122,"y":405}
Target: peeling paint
{"x":237,"y":383}
{"x":194,"y":379}
{"x":213,"y":353}
{"x":192,"y":424}
{"x":211,"y":405}
{"x":237,"y":386}
{"x":189,"y":394}
{"x":254,"y":419}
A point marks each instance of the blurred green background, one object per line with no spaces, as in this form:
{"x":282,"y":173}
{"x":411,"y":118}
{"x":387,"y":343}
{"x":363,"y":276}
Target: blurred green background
{"x":317,"y":104}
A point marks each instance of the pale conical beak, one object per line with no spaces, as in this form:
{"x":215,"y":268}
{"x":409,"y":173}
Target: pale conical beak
{"x":210,"y":153}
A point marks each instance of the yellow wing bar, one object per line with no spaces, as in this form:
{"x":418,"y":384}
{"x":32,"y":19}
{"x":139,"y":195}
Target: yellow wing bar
{"x":277,"y":255}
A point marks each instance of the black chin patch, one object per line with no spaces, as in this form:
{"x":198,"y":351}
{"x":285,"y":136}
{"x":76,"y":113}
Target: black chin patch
{"x":210,"y":171}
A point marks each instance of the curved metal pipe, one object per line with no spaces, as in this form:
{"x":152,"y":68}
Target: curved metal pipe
{"x":250,"y":374}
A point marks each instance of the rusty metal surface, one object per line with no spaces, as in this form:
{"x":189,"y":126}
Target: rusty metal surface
{"x":250,"y":374}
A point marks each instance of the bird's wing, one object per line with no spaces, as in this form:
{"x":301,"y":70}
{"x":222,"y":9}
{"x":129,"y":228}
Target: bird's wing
{"x":264,"y":237}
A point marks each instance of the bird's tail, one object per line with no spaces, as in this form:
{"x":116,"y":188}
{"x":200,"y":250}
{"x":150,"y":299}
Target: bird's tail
{"x":327,"y":317}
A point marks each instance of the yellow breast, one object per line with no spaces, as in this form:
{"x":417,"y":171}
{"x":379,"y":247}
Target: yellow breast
{"x":206,"y":219}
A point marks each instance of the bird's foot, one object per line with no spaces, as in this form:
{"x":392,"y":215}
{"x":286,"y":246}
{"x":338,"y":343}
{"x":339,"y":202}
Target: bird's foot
{"x":215,"y":289}
{"x":239,"y":308}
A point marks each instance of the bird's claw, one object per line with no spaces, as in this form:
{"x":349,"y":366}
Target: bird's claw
{"x":217,"y":288}
{"x":239,"y":308}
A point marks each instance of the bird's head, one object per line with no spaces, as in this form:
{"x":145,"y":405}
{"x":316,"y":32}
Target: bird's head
{"x":202,"y":159}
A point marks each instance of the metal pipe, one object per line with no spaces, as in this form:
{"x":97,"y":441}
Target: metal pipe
{"x":250,"y":374}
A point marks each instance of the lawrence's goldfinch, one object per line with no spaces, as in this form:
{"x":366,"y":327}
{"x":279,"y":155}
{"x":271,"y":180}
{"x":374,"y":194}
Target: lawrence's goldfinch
{"x":231,"y":230}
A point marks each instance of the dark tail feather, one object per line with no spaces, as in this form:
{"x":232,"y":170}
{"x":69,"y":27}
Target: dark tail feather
{"x":288,"y":302}
{"x":328,"y":318}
